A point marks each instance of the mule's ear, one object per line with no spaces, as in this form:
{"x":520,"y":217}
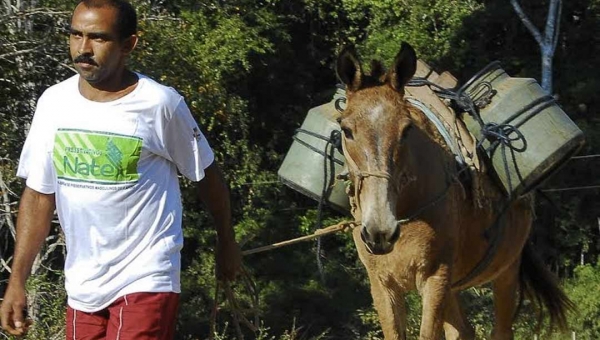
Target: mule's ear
{"x":348,"y":69}
{"x":404,"y":67}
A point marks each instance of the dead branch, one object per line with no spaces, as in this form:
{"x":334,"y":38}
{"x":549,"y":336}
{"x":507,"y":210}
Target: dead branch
{"x":6,"y":203}
{"x":61,"y":63}
{"x":548,"y":40}
{"x":5,"y":265}
{"x":32,"y":12}
{"x":527,"y":22}
{"x":16,"y":53}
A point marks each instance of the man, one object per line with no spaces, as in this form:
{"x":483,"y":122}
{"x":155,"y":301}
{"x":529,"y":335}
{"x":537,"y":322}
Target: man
{"x":104,"y":149}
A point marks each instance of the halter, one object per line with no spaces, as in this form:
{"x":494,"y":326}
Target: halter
{"x":361,"y":175}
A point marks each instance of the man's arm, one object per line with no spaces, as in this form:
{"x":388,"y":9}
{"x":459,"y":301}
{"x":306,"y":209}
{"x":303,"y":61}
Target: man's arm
{"x":214,"y":193}
{"x":33,"y":226}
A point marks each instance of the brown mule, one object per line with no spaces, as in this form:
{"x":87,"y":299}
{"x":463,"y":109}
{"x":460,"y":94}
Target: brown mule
{"x":421,"y":229}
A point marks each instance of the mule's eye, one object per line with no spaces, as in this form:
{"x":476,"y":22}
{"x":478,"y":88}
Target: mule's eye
{"x":347,"y":132}
{"x":406,"y":131}
{"x":346,"y":127}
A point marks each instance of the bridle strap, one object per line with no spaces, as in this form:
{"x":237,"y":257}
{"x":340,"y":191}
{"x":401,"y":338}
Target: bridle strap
{"x":361,"y":175}
{"x":381,"y":174}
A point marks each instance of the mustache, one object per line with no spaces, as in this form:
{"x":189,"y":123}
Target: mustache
{"x":85,"y":58}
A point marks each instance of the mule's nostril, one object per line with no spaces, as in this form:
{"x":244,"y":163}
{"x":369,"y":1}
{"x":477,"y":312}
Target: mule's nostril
{"x":364,"y":234}
{"x":379,"y":242}
{"x":395,"y":235}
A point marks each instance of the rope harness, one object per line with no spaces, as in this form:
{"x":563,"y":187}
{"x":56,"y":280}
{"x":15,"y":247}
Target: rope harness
{"x":501,"y":136}
{"x":331,"y":144}
{"x":504,"y":137}
{"x":498,"y":135}
{"x":360,"y":175}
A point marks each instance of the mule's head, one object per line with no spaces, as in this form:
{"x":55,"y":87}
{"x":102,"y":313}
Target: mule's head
{"x":374,"y":124}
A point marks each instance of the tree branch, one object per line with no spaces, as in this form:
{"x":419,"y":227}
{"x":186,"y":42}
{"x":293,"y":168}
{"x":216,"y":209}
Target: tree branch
{"x":52,"y":246}
{"x":8,"y":7}
{"x":7,"y":203}
{"x":67,"y":66}
{"x":35,"y":11}
{"x":16,"y":53}
{"x":557,"y":26}
{"x":534,"y":31}
{"x":5,"y":265}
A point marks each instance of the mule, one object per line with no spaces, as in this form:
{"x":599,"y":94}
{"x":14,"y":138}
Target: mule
{"x":421,"y":227}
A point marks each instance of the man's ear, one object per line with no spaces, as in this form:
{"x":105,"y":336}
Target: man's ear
{"x":129,"y":44}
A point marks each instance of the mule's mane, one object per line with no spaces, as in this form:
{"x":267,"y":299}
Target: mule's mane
{"x":426,"y":125}
{"x":376,"y":85}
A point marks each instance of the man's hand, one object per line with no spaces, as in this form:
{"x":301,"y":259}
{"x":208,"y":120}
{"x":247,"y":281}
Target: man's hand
{"x":12,"y":311}
{"x":229,"y":260}
{"x":33,"y":226}
{"x":214,"y":192}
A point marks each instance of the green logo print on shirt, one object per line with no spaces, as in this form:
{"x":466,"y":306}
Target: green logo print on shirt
{"x":101,"y":158}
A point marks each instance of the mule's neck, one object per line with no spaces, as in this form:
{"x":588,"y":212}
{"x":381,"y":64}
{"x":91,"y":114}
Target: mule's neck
{"x":426,"y":175}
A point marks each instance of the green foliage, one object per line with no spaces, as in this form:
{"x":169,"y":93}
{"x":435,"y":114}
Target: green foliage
{"x":583,"y":323}
{"x":581,"y":288}
{"x":478,"y":308}
{"x":49,"y":311}
{"x":24,"y":64}
{"x":429,"y":26}
{"x":32,"y":57}
{"x":49,"y":291}
{"x":250,"y":71}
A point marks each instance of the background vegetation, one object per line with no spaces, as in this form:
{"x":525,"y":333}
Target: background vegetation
{"x":250,"y":70}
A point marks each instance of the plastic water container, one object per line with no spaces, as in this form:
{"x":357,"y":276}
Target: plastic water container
{"x":313,"y":161}
{"x":541,"y":135}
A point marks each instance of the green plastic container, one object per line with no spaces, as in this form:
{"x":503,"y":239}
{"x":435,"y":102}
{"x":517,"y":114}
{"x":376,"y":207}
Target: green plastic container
{"x":543,"y":138}
{"x":312,"y":162}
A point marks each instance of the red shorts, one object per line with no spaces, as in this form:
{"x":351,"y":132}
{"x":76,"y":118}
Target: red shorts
{"x":139,"y":316}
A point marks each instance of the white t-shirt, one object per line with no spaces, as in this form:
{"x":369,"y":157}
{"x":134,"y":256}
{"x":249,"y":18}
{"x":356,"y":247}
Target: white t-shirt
{"x":113,"y":168}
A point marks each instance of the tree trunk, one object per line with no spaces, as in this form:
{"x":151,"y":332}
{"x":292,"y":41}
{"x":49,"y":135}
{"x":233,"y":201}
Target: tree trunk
{"x":547,"y":41}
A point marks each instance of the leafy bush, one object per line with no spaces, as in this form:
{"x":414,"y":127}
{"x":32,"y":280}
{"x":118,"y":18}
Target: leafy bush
{"x":583,"y":289}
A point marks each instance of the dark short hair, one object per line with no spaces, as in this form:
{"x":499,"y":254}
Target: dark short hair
{"x":126,"y":16}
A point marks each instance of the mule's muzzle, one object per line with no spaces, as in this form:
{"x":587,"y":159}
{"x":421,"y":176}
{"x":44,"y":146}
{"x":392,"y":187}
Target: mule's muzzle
{"x":379,"y":242}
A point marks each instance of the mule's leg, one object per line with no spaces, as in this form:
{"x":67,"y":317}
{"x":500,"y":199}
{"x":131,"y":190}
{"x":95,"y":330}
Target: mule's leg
{"x":435,"y":293}
{"x":456,"y":325}
{"x":389,"y":303}
{"x":505,"y":289}
{"x":388,"y":298}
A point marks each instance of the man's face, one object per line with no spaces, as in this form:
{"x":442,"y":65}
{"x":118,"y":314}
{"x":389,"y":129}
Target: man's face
{"x":96,"y":47}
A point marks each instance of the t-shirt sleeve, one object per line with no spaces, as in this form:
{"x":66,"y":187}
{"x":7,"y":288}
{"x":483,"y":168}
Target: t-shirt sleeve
{"x":35,"y":163}
{"x":186,"y":144}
